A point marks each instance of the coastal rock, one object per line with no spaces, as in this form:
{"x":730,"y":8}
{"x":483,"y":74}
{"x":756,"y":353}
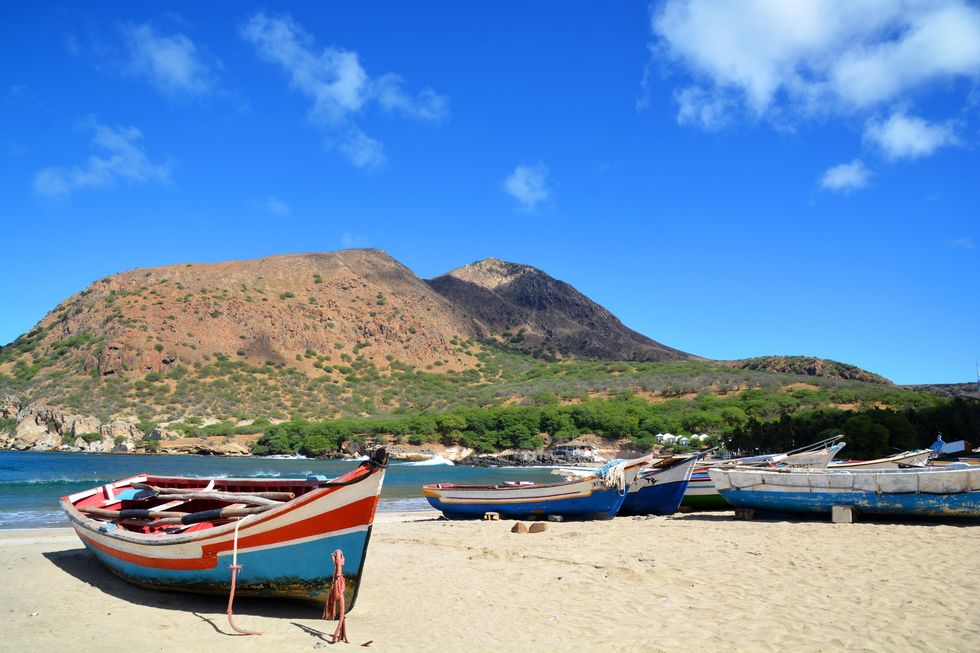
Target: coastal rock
{"x":81,"y":425}
{"x":519,"y":527}
{"x":160,"y":433}
{"x":120,"y":429}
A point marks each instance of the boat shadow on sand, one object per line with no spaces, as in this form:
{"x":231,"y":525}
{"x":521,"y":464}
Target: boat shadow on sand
{"x":82,"y":565}
{"x":819,"y":518}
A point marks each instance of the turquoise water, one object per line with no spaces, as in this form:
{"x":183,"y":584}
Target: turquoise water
{"x":32,"y":482}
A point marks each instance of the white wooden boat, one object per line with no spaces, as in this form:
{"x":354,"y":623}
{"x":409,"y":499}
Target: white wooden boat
{"x":950,"y":491}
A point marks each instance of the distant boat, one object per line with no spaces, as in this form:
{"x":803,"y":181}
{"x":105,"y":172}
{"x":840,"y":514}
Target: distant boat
{"x":702,"y":495}
{"x":659,"y":487}
{"x":950,"y":491}
{"x":597,"y":494}
{"x":178,"y":533}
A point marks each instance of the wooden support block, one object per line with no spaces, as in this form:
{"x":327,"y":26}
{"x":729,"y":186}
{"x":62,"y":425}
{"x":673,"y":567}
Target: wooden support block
{"x":745,"y":514}
{"x":491,"y":516}
{"x":843,"y":514}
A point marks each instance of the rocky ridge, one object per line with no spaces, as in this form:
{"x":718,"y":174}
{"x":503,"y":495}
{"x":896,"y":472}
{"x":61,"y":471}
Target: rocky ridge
{"x":536,"y":313}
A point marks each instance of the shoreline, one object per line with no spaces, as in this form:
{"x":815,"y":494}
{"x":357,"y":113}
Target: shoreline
{"x":699,"y":581}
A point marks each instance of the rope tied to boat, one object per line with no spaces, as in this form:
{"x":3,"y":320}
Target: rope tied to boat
{"x":336,"y":607}
{"x":235,"y":568}
{"x":613,"y":474}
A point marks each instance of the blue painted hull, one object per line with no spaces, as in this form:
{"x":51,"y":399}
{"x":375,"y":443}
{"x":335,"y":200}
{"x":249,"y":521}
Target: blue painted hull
{"x":966,"y":504}
{"x":300,"y":570}
{"x":655,"y":500}
{"x":601,"y":504}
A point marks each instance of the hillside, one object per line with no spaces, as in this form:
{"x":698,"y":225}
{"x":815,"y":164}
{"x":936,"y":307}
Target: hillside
{"x":227,"y":349}
{"x":535,"y":313}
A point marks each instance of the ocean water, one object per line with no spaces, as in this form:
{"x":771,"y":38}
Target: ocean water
{"x":32,"y":482}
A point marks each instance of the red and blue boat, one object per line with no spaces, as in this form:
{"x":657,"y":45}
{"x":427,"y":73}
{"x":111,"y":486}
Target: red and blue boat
{"x":177,"y":533}
{"x":598,"y":494}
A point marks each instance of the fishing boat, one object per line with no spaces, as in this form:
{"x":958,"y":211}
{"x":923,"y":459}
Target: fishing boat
{"x":178,"y":533}
{"x":702,"y":495}
{"x":950,"y":491}
{"x":660,"y":486}
{"x":917,"y":458}
{"x":597,"y":494}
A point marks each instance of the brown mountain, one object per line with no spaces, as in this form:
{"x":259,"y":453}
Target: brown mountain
{"x":535,"y":312}
{"x":278,"y":309}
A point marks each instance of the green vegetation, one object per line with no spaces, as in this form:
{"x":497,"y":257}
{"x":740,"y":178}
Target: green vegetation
{"x":744,"y":422}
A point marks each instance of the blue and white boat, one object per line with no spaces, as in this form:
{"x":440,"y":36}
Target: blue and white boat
{"x":950,"y":491}
{"x":659,"y":487}
{"x":599,"y":494}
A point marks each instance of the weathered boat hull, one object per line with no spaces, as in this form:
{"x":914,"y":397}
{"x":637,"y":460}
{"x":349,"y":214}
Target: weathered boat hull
{"x":590,"y":497}
{"x":285,"y":552}
{"x":702,"y":495}
{"x":939,"y":492}
{"x":580,"y":500}
{"x":658,"y":492}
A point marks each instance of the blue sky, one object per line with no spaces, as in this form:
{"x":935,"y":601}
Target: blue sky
{"x":732,"y":179}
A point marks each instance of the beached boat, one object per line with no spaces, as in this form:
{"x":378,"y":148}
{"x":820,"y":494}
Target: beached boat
{"x":950,"y":491}
{"x":597,"y":494}
{"x":702,"y":495}
{"x":659,"y":487}
{"x":180,"y":533}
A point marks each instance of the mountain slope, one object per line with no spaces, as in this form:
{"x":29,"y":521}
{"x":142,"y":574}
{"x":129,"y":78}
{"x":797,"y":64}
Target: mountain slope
{"x":535,"y":312}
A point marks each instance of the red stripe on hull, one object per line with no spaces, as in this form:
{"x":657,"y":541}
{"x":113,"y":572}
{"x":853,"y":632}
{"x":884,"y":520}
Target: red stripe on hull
{"x":358,"y":513}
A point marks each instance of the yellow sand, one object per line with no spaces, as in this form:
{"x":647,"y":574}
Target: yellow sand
{"x":699,"y":582}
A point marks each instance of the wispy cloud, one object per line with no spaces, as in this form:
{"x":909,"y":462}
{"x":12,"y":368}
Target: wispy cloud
{"x":276,"y":206}
{"x":338,"y":85}
{"x":122,"y":159}
{"x":960,"y":243}
{"x":907,"y":137}
{"x":349,"y":240}
{"x":173,"y":64}
{"x":846,"y":177}
{"x":528,"y":184}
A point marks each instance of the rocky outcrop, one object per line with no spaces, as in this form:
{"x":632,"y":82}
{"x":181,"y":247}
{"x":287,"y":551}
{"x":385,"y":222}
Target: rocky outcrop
{"x":42,"y":428}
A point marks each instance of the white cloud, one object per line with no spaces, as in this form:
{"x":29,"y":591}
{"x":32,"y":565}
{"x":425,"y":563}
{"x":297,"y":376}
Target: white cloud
{"x":276,"y":206}
{"x":349,"y":240}
{"x":124,"y":160}
{"x":362,"y":150}
{"x":812,"y":57}
{"x":338,"y":85}
{"x":173,"y":64}
{"x":907,"y":137}
{"x":960,"y":243}
{"x":846,"y":177}
{"x":528,"y":184}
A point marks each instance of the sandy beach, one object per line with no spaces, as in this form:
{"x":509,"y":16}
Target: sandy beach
{"x":691,"y":582}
